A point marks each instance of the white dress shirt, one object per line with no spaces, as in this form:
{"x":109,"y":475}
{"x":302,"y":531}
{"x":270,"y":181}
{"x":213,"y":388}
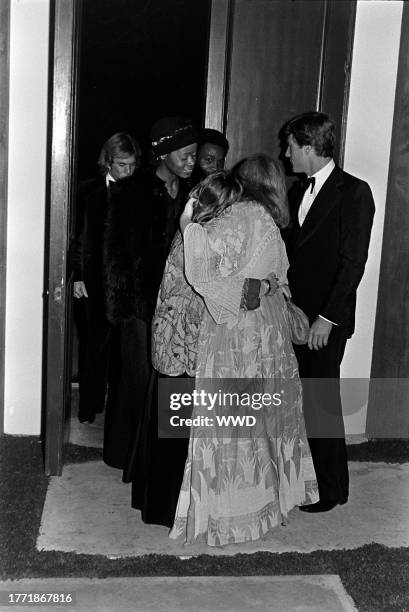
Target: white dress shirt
{"x":320,"y":178}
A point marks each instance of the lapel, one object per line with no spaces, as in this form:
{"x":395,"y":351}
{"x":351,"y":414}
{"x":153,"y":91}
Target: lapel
{"x":100,"y":186}
{"x":98,"y":197}
{"x":326,"y":200}
{"x":295,"y":196}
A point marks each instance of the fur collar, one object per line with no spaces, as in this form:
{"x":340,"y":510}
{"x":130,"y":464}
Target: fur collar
{"x":122,"y":255}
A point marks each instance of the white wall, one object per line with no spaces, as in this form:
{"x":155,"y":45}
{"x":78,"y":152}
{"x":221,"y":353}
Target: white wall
{"x":367,"y":149}
{"x":26,"y":212}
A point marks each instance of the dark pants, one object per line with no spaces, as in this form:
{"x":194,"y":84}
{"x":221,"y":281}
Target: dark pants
{"x":156,"y":466}
{"x":95,"y":349}
{"x":115,"y":360}
{"x":129,"y":373}
{"x":320,"y":373}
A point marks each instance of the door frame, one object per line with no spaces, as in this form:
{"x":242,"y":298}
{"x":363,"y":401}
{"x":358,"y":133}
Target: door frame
{"x":64,"y":67}
{"x":218,"y":67}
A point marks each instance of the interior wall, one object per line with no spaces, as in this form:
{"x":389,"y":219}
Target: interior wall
{"x":367,"y":150}
{"x":29,"y":38}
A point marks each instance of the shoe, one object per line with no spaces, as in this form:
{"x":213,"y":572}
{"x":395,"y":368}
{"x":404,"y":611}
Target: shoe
{"x":86,"y":418}
{"x":319,"y":506}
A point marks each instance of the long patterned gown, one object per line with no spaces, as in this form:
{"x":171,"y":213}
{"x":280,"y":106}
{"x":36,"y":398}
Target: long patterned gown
{"x":238,"y":488}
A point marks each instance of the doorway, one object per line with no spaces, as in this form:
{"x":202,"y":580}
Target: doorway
{"x":139,"y":60}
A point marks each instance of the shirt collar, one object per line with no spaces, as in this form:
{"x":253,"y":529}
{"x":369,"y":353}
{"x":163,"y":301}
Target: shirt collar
{"x":109,"y":179}
{"x":322,"y":175}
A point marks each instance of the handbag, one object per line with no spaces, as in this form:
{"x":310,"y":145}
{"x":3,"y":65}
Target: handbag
{"x":297,"y":322}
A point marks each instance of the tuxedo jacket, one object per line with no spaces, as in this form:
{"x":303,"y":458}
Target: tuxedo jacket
{"x":327,"y":254}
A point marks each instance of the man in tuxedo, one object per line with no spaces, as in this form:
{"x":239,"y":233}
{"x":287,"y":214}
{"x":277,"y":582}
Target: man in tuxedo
{"x":327,"y":243}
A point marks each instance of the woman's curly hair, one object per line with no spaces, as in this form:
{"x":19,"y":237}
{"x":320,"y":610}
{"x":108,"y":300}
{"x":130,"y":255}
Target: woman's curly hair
{"x":214,"y":194}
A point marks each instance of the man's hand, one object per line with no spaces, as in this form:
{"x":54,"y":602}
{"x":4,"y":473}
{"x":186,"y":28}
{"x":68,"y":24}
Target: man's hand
{"x":319,"y":334}
{"x":80,"y":289}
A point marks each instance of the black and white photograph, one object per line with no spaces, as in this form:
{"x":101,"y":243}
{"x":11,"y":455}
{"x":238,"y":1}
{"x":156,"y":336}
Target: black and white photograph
{"x":204,"y":305}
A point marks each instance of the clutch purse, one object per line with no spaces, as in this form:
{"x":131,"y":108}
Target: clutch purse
{"x":297,"y":322}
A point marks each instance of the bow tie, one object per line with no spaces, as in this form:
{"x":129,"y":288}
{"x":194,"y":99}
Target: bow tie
{"x":309,"y":181}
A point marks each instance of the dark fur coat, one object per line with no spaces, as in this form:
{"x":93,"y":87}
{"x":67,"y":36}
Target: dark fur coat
{"x":123,"y":251}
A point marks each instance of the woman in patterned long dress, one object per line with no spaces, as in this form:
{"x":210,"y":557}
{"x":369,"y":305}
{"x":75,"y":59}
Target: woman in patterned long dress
{"x":160,"y":461}
{"x":238,"y":488}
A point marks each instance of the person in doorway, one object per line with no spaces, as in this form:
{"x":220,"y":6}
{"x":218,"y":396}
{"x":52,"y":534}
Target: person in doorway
{"x":107,"y":265}
{"x":211,"y":153}
{"x":327,"y":245}
{"x":166,"y":186}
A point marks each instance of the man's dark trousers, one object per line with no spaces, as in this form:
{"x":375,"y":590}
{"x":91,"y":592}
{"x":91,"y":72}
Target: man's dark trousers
{"x":320,"y":373}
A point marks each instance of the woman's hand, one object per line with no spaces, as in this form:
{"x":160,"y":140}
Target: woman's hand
{"x":186,"y":216}
{"x":286,"y":291}
{"x":80,"y":289}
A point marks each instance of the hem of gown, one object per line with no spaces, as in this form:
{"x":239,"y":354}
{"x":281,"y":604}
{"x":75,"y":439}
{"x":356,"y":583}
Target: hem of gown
{"x":178,"y":531}
{"x":151,"y":519}
{"x":203,"y":538}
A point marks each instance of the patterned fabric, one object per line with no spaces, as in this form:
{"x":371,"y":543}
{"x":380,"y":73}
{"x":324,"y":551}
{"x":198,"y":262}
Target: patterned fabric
{"x":234,"y":488}
{"x":177,"y":319}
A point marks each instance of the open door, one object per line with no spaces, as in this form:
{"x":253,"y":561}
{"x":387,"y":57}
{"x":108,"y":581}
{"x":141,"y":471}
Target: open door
{"x":65,"y":27}
{"x":269,"y":61}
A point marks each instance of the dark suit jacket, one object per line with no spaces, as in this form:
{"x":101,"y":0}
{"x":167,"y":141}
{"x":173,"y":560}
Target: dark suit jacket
{"x":87,"y":249}
{"x":328,"y":253}
{"x":108,"y":247}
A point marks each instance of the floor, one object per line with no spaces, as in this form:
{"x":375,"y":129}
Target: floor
{"x":87,"y":510}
